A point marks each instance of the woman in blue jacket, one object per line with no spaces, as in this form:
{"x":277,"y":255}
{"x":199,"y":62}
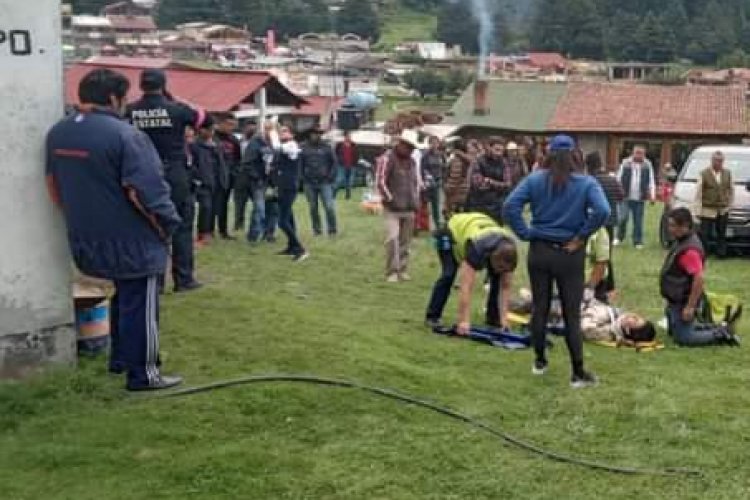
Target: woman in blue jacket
{"x":566,"y":208}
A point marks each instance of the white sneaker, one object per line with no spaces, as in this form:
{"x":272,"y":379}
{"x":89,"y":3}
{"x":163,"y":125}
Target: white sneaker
{"x":392,"y":278}
{"x":639,"y":247}
{"x":616,"y":243}
{"x":405,"y":277}
{"x":539,"y":368}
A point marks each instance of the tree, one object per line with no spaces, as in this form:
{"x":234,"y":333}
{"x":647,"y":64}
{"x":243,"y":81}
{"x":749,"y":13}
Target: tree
{"x":737,"y":59}
{"x":360,"y":17}
{"x":457,"y":80}
{"x":426,"y":82}
{"x":456,"y":25}
{"x":655,"y":40}
{"x":586,"y":29}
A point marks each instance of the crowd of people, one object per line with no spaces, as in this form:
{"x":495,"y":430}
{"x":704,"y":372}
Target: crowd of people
{"x":128,"y":179}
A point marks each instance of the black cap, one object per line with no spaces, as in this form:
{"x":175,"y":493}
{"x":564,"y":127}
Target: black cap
{"x":153,"y":79}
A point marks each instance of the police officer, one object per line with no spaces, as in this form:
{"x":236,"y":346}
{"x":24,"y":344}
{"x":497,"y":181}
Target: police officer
{"x":106,"y":177}
{"x":164,"y":121}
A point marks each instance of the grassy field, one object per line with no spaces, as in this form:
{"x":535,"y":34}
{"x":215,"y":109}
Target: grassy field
{"x":391,"y":106}
{"x":405,"y":25}
{"x":78,"y":435}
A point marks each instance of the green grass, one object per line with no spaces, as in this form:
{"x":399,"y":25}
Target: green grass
{"x":406,"y":25}
{"x":391,"y":106}
{"x":78,"y":435}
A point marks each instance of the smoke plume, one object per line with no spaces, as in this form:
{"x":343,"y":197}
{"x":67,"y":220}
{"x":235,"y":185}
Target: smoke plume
{"x":484,"y":16}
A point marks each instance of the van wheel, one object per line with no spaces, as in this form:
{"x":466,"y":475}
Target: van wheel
{"x":663,"y":234}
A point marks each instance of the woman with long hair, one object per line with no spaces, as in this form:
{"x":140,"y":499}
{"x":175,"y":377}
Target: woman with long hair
{"x":566,"y":208}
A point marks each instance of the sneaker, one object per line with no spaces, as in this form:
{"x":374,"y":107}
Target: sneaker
{"x":583,"y":380}
{"x":301,"y":257}
{"x":392,"y":278}
{"x":161,"y":382}
{"x":190,"y":287}
{"x":432,"y":324}
{"x":540,"y":367}
{"x":639,"y":247}
{"x":616,"y":243}
{"x":404,"y":277}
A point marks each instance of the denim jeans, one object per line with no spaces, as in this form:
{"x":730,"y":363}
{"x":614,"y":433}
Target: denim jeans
{"x":344,"y":180}
{"x":637,"y":209}
{"x":686,"y":333}
{"x":324,"y":192}
{"x":286,"y":220}
{"x":258,"y":220}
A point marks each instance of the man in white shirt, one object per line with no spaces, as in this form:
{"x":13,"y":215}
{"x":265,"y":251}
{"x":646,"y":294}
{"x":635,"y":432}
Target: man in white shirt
{"x":636,"y":175}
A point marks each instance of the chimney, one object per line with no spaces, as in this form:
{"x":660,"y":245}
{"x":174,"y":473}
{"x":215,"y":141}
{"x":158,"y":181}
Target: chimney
{"x":481,"y":106}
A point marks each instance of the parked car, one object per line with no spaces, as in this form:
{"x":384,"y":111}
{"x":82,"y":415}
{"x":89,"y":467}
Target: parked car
{"x":737,"y":160}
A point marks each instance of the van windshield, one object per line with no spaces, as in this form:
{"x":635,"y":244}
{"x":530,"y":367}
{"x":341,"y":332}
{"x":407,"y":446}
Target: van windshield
{"x":737,"y":163}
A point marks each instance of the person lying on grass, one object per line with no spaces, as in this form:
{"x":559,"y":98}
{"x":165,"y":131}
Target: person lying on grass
{"x":474,"y":242}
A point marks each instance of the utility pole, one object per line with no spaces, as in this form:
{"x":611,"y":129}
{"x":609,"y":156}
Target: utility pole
{"x":36,"y":317}
{"x":333,"y":11}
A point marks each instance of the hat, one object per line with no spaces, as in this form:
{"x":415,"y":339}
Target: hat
{"x":511,"y":146}
{"x":153,"y":79}
{"x":562,"y":143}
{"x":410,"y":137}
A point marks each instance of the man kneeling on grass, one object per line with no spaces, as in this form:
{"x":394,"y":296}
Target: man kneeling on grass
{"x":475,"y":242}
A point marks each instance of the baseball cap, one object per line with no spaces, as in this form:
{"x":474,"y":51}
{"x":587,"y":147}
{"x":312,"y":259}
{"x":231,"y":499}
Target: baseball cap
{"x":153,"y":79}
{"x":562,"y":142}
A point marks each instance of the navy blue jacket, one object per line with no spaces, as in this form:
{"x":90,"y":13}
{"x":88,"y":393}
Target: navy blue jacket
{"x":106,"y":176}
{"x":578,"y":209}
{"x":319,"y":165}
{"x":286,"y":172}
{"x":209,"y":166}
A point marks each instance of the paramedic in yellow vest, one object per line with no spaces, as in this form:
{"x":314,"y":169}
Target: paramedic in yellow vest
{"x":471,"y":243}
{"x":597,"y":266}
{"x":713,"y":199}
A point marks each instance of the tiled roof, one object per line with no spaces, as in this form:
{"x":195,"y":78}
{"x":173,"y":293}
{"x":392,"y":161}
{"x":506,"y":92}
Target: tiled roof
{"x":138,"y":23}
{"x":214,"y":91}
{"x":547,"y":60}
{"x":633,"y":108}
{"x":516,"y":106}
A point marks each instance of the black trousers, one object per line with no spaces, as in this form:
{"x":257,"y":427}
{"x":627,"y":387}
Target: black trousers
{"x":548,"y":263}
{"x":242,"y":194}
{"x":183,"y":261}
{"x":205,"y":210}
{"x":443,"y":286}
{"x":715,"y":230}
{"x":183,"y":255}
{"x":220,"y":210}
{"x":286,"y":220}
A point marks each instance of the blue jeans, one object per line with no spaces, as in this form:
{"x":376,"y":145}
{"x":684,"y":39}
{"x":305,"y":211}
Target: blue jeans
{"x":324,"y":192}
{"x":685,"y":333}
{"x":344,"y":180}
{"x":258,"y":220}
{"x":637,"y":209}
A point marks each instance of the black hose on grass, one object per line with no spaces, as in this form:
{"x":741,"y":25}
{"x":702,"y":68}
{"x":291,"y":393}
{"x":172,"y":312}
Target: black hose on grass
{"x":405,"y":398}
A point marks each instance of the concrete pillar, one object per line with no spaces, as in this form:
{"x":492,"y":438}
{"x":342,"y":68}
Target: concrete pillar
{"x":36,"y":318}
{"x":261,"y":102}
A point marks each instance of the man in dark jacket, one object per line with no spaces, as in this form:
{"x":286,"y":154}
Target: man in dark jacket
{"x":432,"y":169}
{"x":226,"y":125}
{"x":286,"y":179}
{"x":319,"y":175}
{"x":257,"y":161}
{"x":681,"y":281}
{"x":212,"y":178}
{"x":106,"y":176}
{"x":491,"y":181}
{"x":164,"y":121}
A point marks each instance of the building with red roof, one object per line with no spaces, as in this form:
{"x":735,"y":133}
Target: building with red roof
{"x":609,"y":117}
{"x":212,"y":90}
